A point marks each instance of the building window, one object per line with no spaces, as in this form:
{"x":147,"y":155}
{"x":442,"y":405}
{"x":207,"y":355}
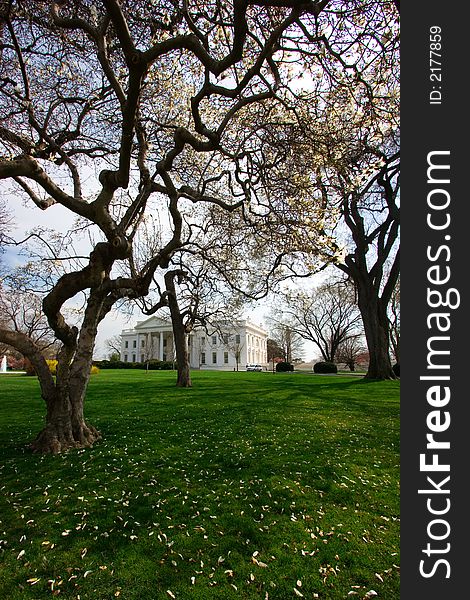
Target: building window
{"x":203,"y":358}
{"x":203,"y":341}
{"x":214,"y":358}
{"x":142,"y":358}
{"x":225,"y":358}
{"x":126,"y":344}
{"x":214,"y":340}
{"x":142,"y":343}
{"x":133,"y":358}
{"x":134,"y":344}
{"x":237,"y":338}
{"x":126,"y":358}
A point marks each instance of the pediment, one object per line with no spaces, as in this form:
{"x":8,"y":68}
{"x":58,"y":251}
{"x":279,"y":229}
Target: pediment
{"x":152,"y":323}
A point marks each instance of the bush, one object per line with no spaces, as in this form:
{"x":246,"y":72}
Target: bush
{"x":158,"y":365}
{"x":52,"y":364}
{"x":112,"y":364}
{"x":396,"y":369}
{"x":153,"y":365}
{"x":325,"y":367}
{"x":284,"y":367}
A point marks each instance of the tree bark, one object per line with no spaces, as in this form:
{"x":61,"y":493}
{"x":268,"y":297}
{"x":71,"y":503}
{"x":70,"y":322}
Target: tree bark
{"x":182,"y":362}
{"x":179,"y":332}
{"x":65,"y":427}
{"x":377,"y":336}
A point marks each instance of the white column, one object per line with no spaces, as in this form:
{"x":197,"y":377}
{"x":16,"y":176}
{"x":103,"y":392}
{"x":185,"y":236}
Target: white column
{"x":161,"y":345}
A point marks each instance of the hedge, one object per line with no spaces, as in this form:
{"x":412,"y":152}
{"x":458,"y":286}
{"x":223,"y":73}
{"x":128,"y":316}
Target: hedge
{"x":153,"y":365}
{"x":325,"y":367}
{"x":283,"y":367}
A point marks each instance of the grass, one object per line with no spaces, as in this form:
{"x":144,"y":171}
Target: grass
{"x":248,"y":486}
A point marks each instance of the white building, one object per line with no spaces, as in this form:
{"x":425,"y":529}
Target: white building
{"x":222,"y":348}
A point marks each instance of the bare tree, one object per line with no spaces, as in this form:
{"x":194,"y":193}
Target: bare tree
{"x":273,"y":350}
{"x":6,"y":224}
{"x":327,"y":316}
{"x":350,"y":350}
{"x":195,"y":296}
{"x":21,"y":311}
{"x":286,"y":338}
{"x":114,"y":344}
{"x":234,"y":344}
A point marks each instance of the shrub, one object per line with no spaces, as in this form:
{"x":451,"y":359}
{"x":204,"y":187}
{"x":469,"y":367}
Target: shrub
{"x":52,"y":364}
{"x":112,"y":364}
{"x":325,"y":367}
{"x":284,"y":367}
{"x":153,"y":365}
{"x":53,"y":367}
{"x":102,"y":364}
{"x":396,"y":369}
{"x":158,"y":365}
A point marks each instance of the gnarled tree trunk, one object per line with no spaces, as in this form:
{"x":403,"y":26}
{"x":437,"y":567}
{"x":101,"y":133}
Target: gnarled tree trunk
{"x":65,"y":425}
{"x":64,"y":395}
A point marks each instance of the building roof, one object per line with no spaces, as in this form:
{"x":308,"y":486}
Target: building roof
{"x":151,"y":324}
{"x":156,"y":323}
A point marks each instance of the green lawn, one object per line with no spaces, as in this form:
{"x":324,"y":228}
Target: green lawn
{"x":247,"y":486}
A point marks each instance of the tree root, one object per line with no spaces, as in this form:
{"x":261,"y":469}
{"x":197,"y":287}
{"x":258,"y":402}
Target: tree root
{"x":51,"y":440}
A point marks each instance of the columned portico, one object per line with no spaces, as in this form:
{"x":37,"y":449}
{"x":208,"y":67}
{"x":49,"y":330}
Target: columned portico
{"x":229,"y":346}
{"x":149,"y":340}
